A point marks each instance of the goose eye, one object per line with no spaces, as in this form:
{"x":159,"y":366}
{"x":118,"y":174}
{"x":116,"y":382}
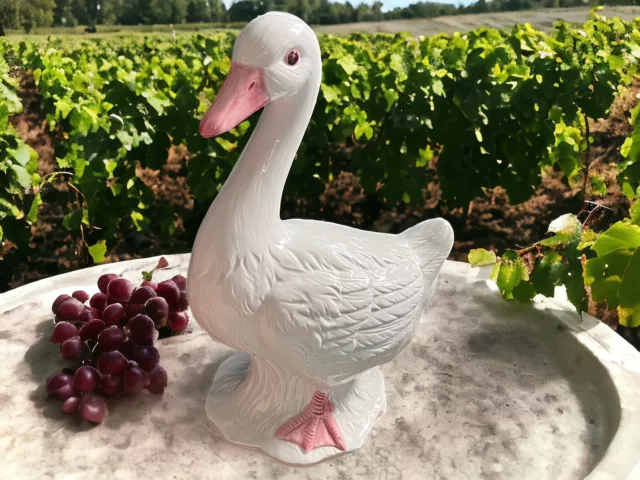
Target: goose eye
{"x":292,"y":57}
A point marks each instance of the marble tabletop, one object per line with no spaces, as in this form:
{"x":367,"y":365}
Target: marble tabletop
{"x":487,"y":389}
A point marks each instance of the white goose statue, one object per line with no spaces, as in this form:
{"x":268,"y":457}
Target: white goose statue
{"x":316,"y":306}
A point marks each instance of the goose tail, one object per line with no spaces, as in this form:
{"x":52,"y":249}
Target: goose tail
{"x":432,"y":241}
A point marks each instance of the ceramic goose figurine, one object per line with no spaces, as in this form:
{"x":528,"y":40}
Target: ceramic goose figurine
{"x":317,"y":306}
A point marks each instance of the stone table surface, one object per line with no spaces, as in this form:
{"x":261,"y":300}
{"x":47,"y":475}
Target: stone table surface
{"x":487,"y":389}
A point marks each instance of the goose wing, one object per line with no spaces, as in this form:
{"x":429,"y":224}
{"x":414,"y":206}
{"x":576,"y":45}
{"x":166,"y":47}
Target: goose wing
{"x":342,"y":306}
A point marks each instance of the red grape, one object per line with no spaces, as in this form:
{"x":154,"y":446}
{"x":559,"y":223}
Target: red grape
{"x":70,"y":405}
{"x":141,"y":294}
{"x":133,"y":379}
{"x":170,"y":292}
{"x":112,"y":363}
{"x":58,"y":301}
{"x":57,"y":380}
{"x":158,"y":380}
{"x":178,"y":321}
{"x":66,"y":391}
{"x":92,"y":407}
{"x":70,"y":309}
{"x":147,"y":357}
{"x":149,"y":283}
{"x":110,"y":384}
{"x":89,"y":314}
{"x":92,"y":329}
{"x":180,"y":281}
{"x":183,"y":303}
{"x":134,"y":309}
{"x":104,"y":280}
{"x":125,"y":317}
{"x":120,"y":289}
{"x":80,"y":295}
{"x":141,"y":330}
{"x":157,"y":309}
{"x":113,"y":314}
{"x":86,"y":379}
{"x":111,"y":338}
{"x":127,"y":349}
{"x":62,"y":331}
{"x":71,"y":348}
{"x":98,"y":301}
{"x":122,"y":319}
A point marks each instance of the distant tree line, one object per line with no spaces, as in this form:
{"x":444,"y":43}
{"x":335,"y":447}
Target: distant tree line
{"x":28,"y":14}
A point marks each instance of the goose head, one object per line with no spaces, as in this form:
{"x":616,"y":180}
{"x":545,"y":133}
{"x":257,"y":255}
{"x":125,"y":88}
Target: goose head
{"x":275,"y":56}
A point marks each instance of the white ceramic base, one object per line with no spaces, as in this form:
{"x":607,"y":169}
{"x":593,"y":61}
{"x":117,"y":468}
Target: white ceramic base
{"x":250,"y":399}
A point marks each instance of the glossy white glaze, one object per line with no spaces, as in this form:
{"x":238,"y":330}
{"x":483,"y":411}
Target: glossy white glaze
{"x":315,"y":304}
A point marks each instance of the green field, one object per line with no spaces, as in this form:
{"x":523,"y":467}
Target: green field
{"x":539,"y":19}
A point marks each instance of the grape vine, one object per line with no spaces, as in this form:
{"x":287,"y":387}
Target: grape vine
{"x":601,"y":266}
{"x":487,"y":108}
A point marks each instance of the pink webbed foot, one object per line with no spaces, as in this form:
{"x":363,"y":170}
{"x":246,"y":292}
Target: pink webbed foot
{"x":314,"y":427}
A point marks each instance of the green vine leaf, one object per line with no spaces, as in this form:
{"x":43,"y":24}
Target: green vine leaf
{"x":587,"y":239}
{"x":634,"y":213}
{"x":32,"y":216}
{"x":629,"y":317}
{"x":511,"y":273}
{"x":8,"y":208}
{"x":573,"y":278}
{"x":524,"y":292}
{"x":548,"y":274}
{"x":619,"y":235}
{"x":604,"y":275}
{"x":21,"y":154}
{"x":558,"y":240}
{"x":98,"y":251}
{"x":480,"y":257}
{"x":348,"y":63}
{"x":630,"y":285}
{"x":226,"y":144}
{"x":615,"y":62}
{"x":598,"y":187}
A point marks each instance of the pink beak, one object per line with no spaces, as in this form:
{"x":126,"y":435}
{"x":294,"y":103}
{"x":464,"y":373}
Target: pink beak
{"x":243,"y":93}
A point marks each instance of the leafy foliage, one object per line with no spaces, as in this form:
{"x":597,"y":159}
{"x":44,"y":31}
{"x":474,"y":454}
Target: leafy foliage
{"x":629,"y":176}
{"x":608,"y":264}
{"x":398,"y":104}
{"x":18,"y":165}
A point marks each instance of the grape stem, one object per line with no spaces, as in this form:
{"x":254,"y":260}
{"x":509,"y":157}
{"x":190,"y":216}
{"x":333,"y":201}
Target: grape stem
{"x":526,"y":249}
{"x":593,"y":210}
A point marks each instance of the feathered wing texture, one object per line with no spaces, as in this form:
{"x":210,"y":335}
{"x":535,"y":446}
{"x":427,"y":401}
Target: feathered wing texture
{"x":329,"y":325}
{"x":431,"y":241}
{"x":347,"y":303}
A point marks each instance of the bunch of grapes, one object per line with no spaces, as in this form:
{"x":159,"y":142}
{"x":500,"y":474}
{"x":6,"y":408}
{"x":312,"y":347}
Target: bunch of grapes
{"x":112,"y":341}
